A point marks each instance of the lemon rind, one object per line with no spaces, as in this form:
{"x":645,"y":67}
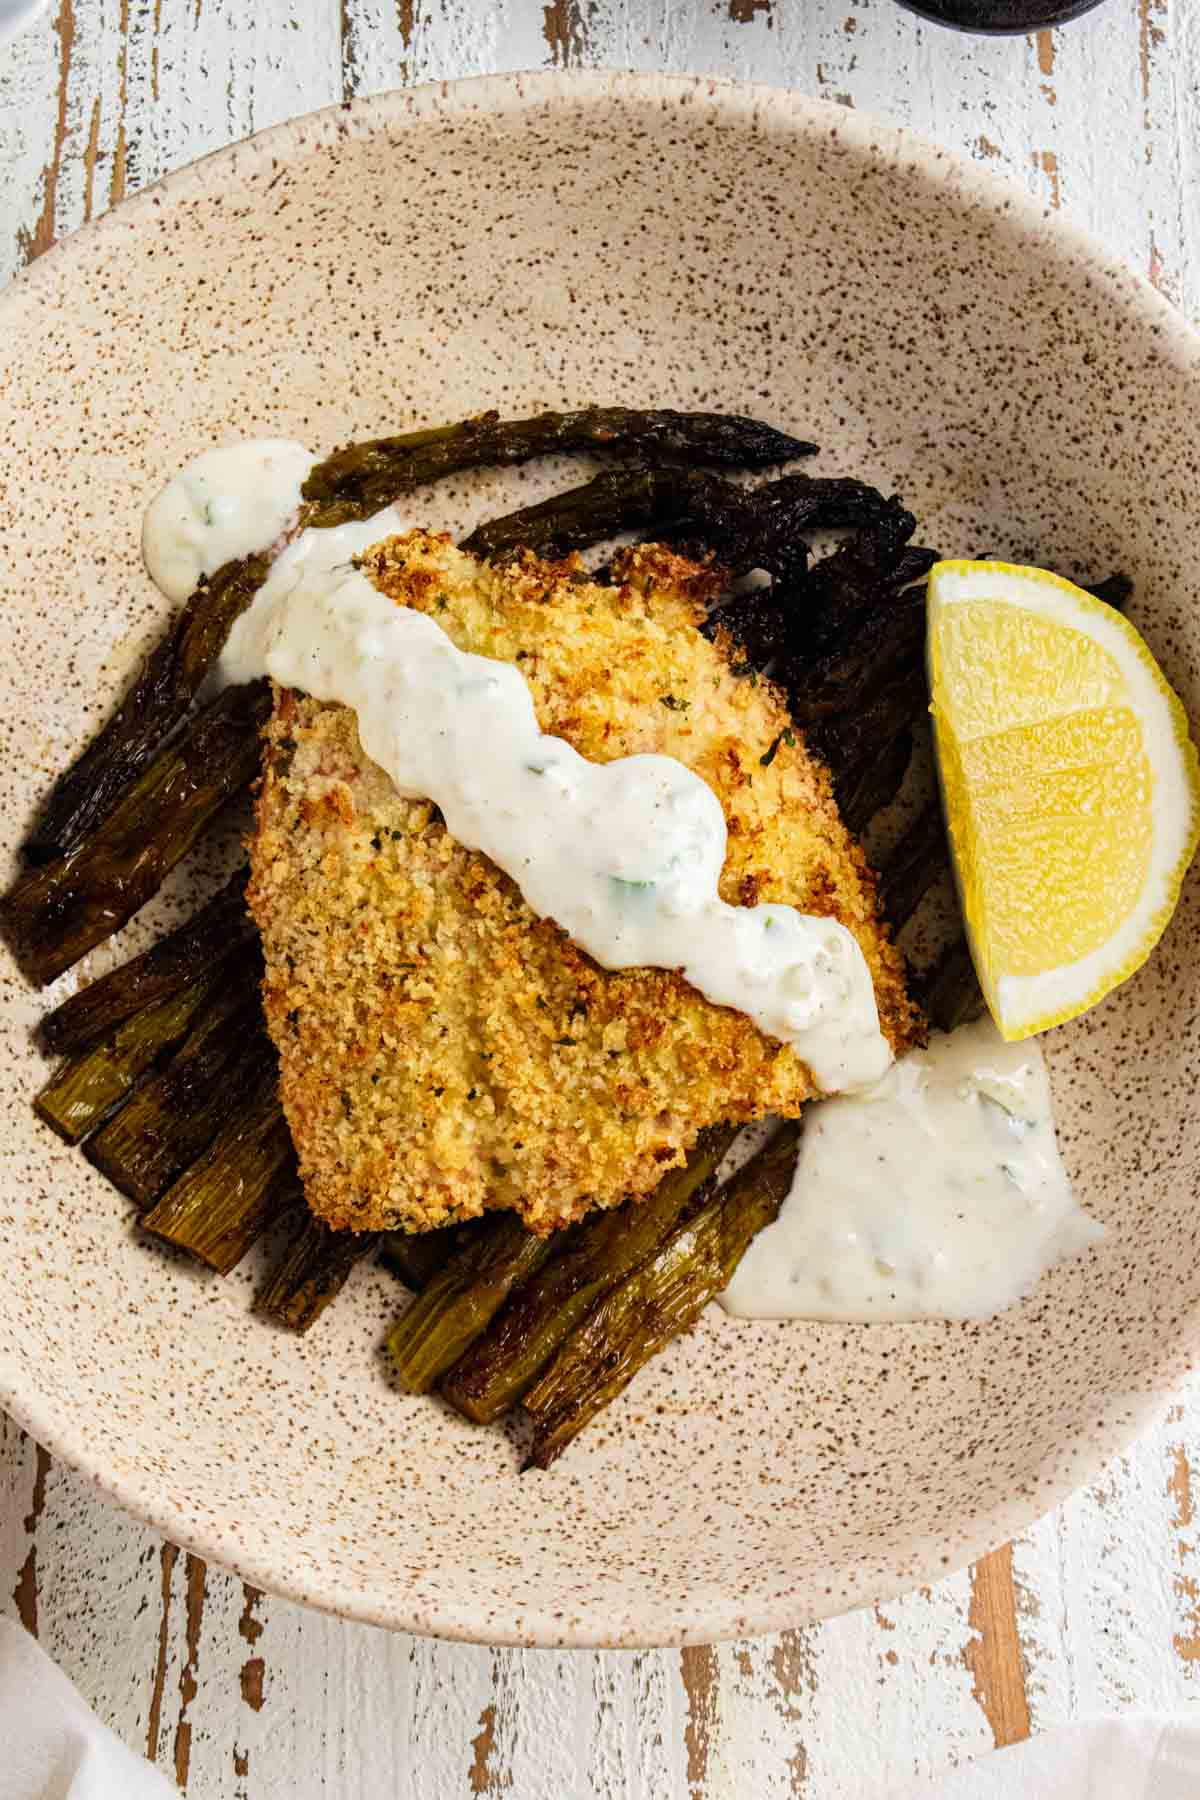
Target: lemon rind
{"x":1015,"y":1025}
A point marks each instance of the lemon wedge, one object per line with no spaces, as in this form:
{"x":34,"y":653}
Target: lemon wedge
{"x":1070,"y":784}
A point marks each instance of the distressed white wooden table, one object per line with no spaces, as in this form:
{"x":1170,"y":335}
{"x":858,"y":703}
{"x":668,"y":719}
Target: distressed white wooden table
{"x":1097,"y":1608}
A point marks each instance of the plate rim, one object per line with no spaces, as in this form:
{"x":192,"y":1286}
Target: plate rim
{"x":798,"y":115}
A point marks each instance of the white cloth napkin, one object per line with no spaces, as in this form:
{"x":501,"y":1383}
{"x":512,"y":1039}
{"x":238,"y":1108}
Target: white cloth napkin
{"x":1099,"y":1759}
{"x":52,"y":1746}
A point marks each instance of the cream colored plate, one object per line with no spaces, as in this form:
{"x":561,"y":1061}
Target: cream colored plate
{"x":535,"y":241}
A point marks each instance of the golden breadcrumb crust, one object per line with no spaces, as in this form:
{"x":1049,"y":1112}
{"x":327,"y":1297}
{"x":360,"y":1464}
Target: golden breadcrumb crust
{"x":442,"y":1050}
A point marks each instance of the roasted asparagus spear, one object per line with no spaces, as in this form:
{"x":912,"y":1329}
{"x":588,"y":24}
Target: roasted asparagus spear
{"x":864,"y":788}
{"x":374,"y":473}
{"x":888,"y":636}
{"x":54,"y":915}
{"x":760,"y":527}
{"x":206,"y":939}
{"x":461,"y":1301}
{"x":914,"y":865}
{"x":171,"y":1120}
{"x":600,"y":1251}
{"x":154,"y":706}
{"x":802,"y":618}
{"x":244,"y":1180}
{"x":949,"y":992}
{"x":660,"y":1299}
{"x":93,"y":1083}
{"x":414,"y":1257}
{"x":313,"y":1273}
{"x":765,"y":527}
{"x":852,"y":740}
{"x":614,"y":501}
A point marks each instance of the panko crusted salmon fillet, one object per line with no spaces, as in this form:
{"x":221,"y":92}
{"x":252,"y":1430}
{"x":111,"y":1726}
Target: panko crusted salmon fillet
{"x":443,"y":1050}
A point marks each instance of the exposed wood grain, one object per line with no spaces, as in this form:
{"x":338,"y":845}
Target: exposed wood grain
{"x":25,"y":1594}
{"x":32,"y":241}
{"x":349,"y":51}
{"x":698,"y":1668}
{"x":483,"y":1746}
{"x":226,"y":73}
{"x":565,"y":30}
{"x":994,"y":1656}
{"x":782,"y":1704}
{"x":742,"y":11}
{"x":253,"y":1670}
{"x":169,"y":1556}
{"x":794,"y":1670}
{"x":188,"y":1684}
{"x":116,"y":185}
{"x":1186,"y":1640}
{"x":537,"y":1749}
{"x":1047,"y":162}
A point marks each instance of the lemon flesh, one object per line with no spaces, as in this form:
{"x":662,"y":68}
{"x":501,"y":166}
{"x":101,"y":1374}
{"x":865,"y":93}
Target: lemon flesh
{"x":1070,"y":784}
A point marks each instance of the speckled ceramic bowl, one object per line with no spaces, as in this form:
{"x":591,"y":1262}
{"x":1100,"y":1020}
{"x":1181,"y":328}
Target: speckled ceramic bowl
{"x":523,"y":242}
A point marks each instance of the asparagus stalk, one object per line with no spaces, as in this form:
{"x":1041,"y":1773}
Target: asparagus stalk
{"x":853,"y":739}
{"x":865,"y":788}
{"x":313,"y":1273}
{"x":949,"y":992}
{"x":55,"y":915}
{"x":502,"y":1364}
{"x":171,"y":1120}
{"x":91,"y":1085}
{"x":913,"y":867}
{"x":888,"y":637}
{"x":461,"y":1301}
{"x":157,"y":702}
{"x":154,"y":706}
{"x":803,"y":618}
{"x":660,"y":1299}
{"x":748,"y":527}
{"x":765,"y":527}
{"x":374,"y":473}
{"x":853,"y":583}
{"x":206,"y":939}
{"x":244,"y":1180}
{"x":616,"y":500}
{"x":414,"y":1257}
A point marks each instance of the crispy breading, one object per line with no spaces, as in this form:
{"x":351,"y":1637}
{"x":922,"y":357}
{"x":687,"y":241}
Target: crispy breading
{"x":442,"y":1050}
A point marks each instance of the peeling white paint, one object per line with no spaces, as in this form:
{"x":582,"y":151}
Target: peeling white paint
{"x":28,"y":107}
{"x":1107,"y":1620}
{"x":1101,"y":119}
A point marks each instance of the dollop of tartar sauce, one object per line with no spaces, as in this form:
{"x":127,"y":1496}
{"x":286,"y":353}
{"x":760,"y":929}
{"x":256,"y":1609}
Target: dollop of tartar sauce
{"x":624,"y":856}
{"x":225,"y":504}
{"x":937,"y":1194}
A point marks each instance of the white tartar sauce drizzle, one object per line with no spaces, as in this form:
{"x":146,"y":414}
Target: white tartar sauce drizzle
{"x":224,"y":504}
{"x":623,"y":856}
{"x":937,"y":1194}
